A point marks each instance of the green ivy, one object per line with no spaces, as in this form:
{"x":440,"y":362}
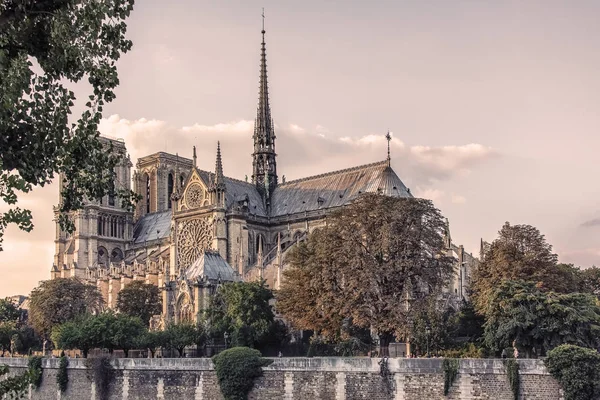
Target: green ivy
{"x":577,"y":369}
{"x":236,"y":370}
{"x":511,"y":366}
{"x":62,"y":377}
{"x":450,"y":368}
{"x":13,"y":387}
{"x":35,"y":371}
{"x":102,"y":374}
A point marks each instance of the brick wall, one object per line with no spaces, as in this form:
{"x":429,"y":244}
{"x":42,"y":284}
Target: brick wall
{"x":302,"y":379}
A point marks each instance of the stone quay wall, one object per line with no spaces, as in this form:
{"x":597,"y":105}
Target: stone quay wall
{"x":327,"y":378}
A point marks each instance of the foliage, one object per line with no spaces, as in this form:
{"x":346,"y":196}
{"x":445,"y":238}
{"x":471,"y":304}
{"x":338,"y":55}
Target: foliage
{"x":7,"y":330}
{"x":236,"y":370}
{"x":466,"y":323}
{"x":374,"y":263}
{"x":520,"y":253}
{"x":437,"y":320}
{"x":106,"y":330}
{"x":450,"y":368}
{"x":62,"y":376}
{"x":151,"y":340}
{"x":44,"y":46}
{"x":13,"y":387}
{"x":179,"y":336}
{"x":26,"y":339}
{"x":590,"y":278}
{"x":577,"y":370}
{"x":469,"y":350}
{"x":60,"y":300}
{"x":242,"y":309}
{"x":511,"y":366}
{"x":521,"y":312}
{"x":101,"y":372}
{"x":139,"y":299}
{"x":34,"y":370}
{"x":8,"y":311}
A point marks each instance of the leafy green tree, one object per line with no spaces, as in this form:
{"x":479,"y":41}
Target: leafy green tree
{"x":7,"y":330}
{"x":44,"y":46}
{"x":467,"y":324}
{"x":433,"y":318}
{"x":242,"y":309}
{"x":520,"y":312}
{"x":126,"y":332}
{"x":139,"y":299}
{"x":591,"y":281}
{"x":8,"y":311}
{"x":151,"y":340}
{"x":60,"y":300}
{"x":179,"y":336}
{"x":375,"y":262}
{"x":520,"y":253}
{"x":27,"y":340}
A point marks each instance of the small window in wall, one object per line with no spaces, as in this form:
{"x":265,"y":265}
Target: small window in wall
{"x":111,"y":200}
{"x":147,"y":194}
{"x":169,"y":190}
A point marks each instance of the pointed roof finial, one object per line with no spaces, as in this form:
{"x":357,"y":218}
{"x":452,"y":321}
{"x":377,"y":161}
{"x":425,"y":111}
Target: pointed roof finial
{"x":218,"y":167}
{"x":389,"y":139}
{"x":194,"y":156}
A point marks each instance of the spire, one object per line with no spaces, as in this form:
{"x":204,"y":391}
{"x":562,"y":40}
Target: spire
{"x":194,"y":156}
{"x":389,"y":139}
{"x":219,"y":181}
{"x":264,"y":163}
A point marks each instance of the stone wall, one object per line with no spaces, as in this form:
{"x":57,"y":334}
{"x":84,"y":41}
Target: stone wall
{"x":302,"y":379}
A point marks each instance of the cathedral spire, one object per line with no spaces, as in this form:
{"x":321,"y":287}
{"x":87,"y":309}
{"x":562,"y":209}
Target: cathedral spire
{"x":217,"y":187}
{"x":264,"y":166}
{"x":219,"y":181}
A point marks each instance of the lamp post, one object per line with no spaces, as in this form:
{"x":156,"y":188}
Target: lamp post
{"x":427,"y":332}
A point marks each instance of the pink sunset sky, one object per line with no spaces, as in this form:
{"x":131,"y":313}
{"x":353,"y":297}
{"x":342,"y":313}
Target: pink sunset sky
{"x":493,"y":105}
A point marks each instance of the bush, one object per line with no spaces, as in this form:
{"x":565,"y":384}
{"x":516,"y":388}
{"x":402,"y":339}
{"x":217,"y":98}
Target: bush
{"x":62,"y":377}
{"x":577,"y":369}
{"x":450,"y":368}
{"x":102,"y":374}
{"x":35,"y":371}
{"x":236,"y":370}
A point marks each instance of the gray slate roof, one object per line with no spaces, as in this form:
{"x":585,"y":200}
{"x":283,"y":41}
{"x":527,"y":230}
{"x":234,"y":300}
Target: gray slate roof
{"x":336,"y":188}
{"x":146,"y":228}
{"x":212,"y":266}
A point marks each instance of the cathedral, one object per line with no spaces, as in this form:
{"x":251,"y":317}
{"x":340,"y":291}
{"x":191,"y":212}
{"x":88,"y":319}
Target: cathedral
{"x":195,"y":229}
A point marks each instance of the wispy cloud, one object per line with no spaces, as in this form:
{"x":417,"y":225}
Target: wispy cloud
{"x":591,"y":223}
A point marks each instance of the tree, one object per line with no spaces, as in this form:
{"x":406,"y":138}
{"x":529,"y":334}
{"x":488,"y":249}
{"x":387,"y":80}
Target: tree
{"x":430,"y":328}
{"x":139,"y":299}
{"x":242,"y":309}
{"x":8,"y":311}
{"x":376,"y":262}
{"x":60,"y":300}
{"x":151,"y":340}
{"x":522,"y":313}
{"x":126,"y":332}
{"x":591,"y":281}
{"x":519,"y":253}
{"x":43,"y":46}
{"x":7,"y":330}
{"x":179,"y":336}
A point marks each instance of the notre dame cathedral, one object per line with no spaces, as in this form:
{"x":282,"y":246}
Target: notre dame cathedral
{"x":195,"y":229}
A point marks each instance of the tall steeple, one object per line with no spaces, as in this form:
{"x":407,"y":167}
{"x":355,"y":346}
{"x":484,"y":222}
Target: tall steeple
{"x":264,"y":165}
{"x":218,"y":186}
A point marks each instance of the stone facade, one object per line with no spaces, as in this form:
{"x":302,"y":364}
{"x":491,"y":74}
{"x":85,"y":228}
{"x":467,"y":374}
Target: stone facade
{"x":302,"y":379}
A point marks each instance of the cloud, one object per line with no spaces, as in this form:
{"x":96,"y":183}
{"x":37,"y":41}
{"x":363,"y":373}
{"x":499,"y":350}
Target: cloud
{"x":591,"y":223}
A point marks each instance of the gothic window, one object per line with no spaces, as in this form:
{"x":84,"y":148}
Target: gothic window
{"x":193,"y":237}
{"x":147,"y":194}
{"x":170,"y":189}
{"x":116,"y":255}
{"x":102,"y":257}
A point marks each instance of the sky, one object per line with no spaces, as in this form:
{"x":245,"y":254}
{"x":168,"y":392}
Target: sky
{"x":493,"y":107}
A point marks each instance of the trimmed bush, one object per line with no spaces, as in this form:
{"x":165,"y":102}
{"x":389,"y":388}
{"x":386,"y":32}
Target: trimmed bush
{"x":62,"y":377}
{"x":236,"y":370}
{"x":577,"y":369}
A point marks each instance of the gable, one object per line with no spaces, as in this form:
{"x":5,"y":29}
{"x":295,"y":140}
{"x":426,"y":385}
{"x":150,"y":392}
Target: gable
{"x":195,"y":192}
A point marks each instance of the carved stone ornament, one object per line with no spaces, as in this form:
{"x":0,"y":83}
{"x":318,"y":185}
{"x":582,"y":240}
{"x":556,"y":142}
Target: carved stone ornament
{"x":194,"y":195}
{"x":193,"y":237}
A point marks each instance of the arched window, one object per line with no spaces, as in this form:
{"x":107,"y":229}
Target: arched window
{"x":181,"y":180}
{"x":99,"y":225}
{"x":102,"y":257}
{"x":169,"y":189}
{"x":116,"y":255}
{"x":147,"y":194}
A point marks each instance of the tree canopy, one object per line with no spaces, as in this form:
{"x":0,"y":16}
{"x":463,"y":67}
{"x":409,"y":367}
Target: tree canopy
{"x":520,"y":253}
{"x":139,"y":299}
{"x":45,"y":46}
{"x":8,"y":311}
{"x":519,"y":311}
{"x":60,"y":300}
{"x":374,"y":263}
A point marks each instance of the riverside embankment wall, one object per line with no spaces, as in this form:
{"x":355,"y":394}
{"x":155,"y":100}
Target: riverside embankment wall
{"x":327,"y":378}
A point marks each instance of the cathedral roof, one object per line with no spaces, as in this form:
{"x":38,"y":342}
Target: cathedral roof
{"x":336,"y":188}
{"x":212,"y":266}
{"x":154,"y":226}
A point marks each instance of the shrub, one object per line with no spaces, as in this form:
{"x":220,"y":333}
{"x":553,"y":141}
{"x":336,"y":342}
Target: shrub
{"x":450,"y":368}
{"x":35,"y":371}
{"x":577,"y":369}
{"x":62,"y":377}
{"x":102,"y":374}
{"x":236,"y":370}
{"x":511,"y":366}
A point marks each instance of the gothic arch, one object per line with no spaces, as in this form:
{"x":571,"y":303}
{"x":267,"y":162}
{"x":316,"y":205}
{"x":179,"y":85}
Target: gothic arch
{"x":116,"y":255}
{"x":146,"y":181}
{"x":185,"y":309}
{"x":102,"y":256}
